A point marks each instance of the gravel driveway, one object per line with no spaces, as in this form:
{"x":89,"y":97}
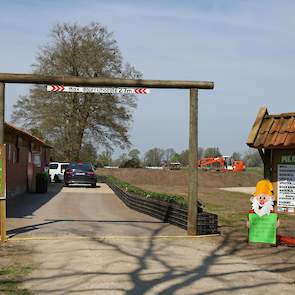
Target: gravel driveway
{"x":85,"y":241}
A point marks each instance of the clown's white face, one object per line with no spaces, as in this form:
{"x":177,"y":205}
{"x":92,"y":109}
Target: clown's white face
{"x":262,"y":204}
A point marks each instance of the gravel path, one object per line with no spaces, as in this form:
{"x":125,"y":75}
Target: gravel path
{"x":247,"y":190}
{"x":85,"y":241}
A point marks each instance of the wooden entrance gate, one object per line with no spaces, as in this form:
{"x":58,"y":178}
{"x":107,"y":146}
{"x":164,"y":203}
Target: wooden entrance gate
{"x":77,"y":81}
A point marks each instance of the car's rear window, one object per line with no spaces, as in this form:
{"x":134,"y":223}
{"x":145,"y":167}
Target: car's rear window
{"x":83,"y":167}
{"x":64,"y":166}
{"x":53,"y":166}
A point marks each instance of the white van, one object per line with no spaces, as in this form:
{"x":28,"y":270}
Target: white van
{"x":56,"y":171}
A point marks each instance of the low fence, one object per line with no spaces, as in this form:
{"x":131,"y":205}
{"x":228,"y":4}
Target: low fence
{"x":165,"y":211}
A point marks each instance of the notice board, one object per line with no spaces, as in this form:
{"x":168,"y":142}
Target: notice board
{"x":286,"y":188}
{"x":263,"y":229}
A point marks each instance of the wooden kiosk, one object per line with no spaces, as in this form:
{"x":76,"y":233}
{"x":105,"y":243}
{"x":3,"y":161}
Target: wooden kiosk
{"x":274,"y":137}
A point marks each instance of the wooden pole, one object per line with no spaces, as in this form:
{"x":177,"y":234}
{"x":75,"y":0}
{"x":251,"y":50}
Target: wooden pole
{"x":193,"y":170}
{"x":3,"y":174}
{"x":79,"y":81}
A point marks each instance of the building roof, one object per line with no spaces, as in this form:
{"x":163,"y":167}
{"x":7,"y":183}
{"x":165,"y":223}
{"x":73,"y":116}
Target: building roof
{"x":26,"y":134}
{"x":272,"y":131}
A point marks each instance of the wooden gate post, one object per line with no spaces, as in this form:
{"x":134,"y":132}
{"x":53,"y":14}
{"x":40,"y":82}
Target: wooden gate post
{"x":193,"y":169}
{"x":2,"y":167}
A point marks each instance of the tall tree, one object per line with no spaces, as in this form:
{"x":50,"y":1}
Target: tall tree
{"x":68,"y":120}
{"x":168,"y":154}
{"x":184,"y":157}
{"x":153,"y":157}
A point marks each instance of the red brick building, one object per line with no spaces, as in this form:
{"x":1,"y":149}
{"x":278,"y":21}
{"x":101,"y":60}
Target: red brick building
{"x":26,"y":155}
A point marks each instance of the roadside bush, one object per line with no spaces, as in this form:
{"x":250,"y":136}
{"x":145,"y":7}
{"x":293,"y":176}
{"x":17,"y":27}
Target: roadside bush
{"x":132,"y":163}
{"x":146,"y":194}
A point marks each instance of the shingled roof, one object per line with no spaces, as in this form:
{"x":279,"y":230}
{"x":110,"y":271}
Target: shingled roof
{"x":272,"y":131}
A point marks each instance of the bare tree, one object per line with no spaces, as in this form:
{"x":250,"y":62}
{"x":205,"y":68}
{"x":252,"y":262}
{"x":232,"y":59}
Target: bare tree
{"x":68,"y":119}
{"x":252,"y":158}
{"x":168,"y":154}
{"x":153,"y":157}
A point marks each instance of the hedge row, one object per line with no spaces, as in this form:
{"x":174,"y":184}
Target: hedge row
{"x":170,"y":198}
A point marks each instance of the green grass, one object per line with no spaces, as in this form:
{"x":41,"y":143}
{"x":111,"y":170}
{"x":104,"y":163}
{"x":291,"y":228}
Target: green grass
{"x":10,"y":278}
{"x":256,"y":170}
{"x":146,"y":194}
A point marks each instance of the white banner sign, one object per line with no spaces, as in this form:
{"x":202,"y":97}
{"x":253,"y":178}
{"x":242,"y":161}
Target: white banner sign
{"x":103,"y":90}
{"x":286,"y":186}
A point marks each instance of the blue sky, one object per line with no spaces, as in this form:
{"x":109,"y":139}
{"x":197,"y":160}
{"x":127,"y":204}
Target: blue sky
{"x":246,"y":47}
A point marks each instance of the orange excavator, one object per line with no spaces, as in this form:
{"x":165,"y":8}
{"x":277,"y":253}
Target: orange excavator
{"x":222,"y":163}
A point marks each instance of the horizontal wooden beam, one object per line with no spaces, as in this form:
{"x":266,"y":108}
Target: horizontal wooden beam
{"x":78,"y":81}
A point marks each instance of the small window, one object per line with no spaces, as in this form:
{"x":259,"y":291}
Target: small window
{"x":63,"y":167}
{"x":82,"y":166}
{"x":53,"y":166}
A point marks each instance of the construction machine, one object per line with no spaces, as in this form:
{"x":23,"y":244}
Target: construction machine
{"x":222,"y":163}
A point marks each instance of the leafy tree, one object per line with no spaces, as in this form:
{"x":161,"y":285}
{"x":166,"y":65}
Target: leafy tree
{"x":131,"y":163}
{"x":252,"y":159}
{"x":153,"y":157}
{"x":68,"y":120}
{"x":88,"y":153}
{"x":175,"y":158}
{"x":134,"y":154}
{"x":104,"y":159}
{"x":212,"y":152}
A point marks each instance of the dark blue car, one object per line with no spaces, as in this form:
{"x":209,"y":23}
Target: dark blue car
{"x":80,"y":173}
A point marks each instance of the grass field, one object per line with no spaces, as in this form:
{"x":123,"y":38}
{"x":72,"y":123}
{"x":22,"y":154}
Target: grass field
{"x":232,"y":207}
{"x":15,"y":264}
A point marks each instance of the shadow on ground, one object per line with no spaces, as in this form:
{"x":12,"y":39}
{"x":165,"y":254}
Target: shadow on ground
{"x":32,"y":201}
{"x":159,"y":266}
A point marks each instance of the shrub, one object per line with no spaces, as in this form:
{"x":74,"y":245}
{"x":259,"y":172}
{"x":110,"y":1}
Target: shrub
{"x":146,"y":194}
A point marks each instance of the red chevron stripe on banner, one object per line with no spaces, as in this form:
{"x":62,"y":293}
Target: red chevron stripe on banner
{"x":57,"y":88}
{"x":141,"y":91}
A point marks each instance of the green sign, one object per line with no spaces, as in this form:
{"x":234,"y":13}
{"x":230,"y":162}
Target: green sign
{"x":287,"y":159}
{"x":1,"y":179}
{"x":263,"y":229}
{"x":2,"y":171}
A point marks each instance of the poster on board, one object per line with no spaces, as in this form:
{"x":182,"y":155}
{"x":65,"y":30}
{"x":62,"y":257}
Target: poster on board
{"x":286,"y":188}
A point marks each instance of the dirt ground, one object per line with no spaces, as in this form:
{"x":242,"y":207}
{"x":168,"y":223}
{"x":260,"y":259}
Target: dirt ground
{"x":232,"y":209}
{"x":16,"y":262}
{"x":178,"y":178}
